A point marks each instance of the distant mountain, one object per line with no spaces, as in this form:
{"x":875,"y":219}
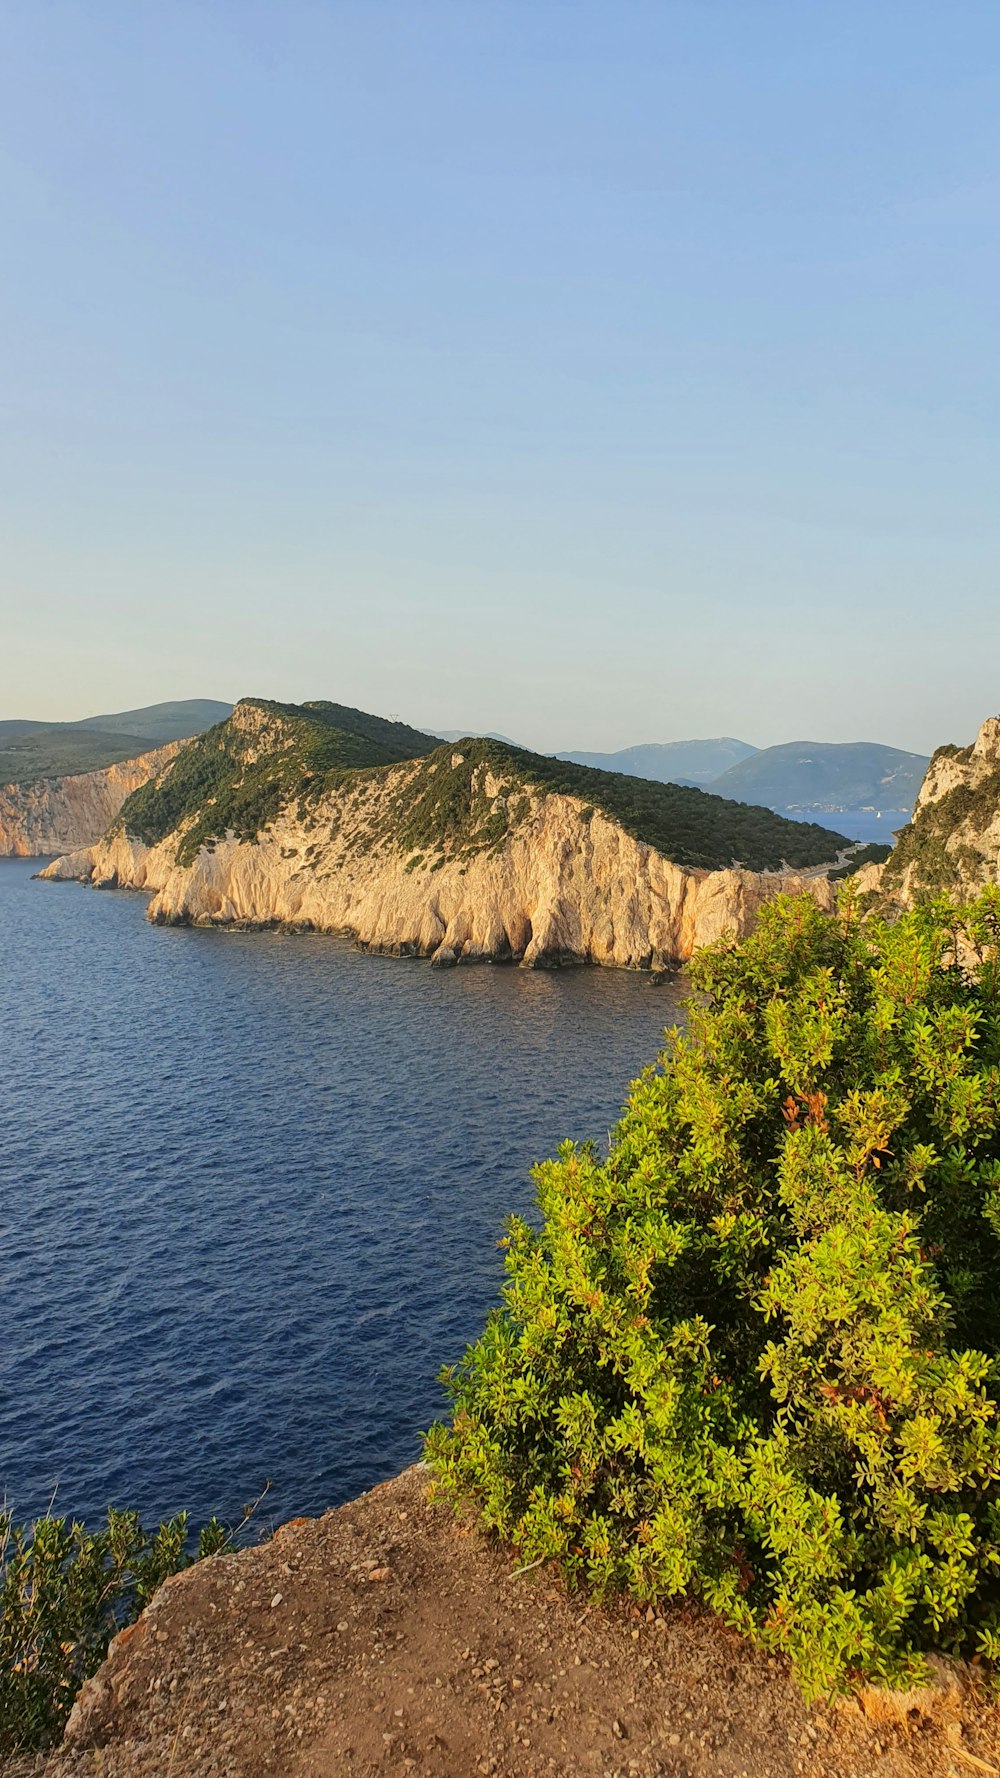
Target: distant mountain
{"x":670,"y":762}
{"x":471,"y":734}
{"x":824,"y":775}
{"x":173,"y":721}
{"x":33,"y":750}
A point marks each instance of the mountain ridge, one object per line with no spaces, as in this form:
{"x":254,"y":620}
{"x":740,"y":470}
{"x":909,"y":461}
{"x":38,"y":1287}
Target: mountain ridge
{"x":34,"y":750}
{"x":827,"y":775}
{"x":693,"y":762}
{"x":824,"y":776}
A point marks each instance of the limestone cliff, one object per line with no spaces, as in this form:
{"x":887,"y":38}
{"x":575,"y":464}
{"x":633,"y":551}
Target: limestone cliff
{"x":952,"y":845}
{"x":58,"y":814}
{"x":462,"y":855}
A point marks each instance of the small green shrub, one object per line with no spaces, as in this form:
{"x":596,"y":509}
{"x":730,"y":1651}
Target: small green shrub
{"x":753,"y":1355}
{"x":64,"y":1593}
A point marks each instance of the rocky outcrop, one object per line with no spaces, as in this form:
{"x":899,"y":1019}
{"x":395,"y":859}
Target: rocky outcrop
{"x":58,"y":814}
{"x":952,"y":845}
{"x":566,"y":883}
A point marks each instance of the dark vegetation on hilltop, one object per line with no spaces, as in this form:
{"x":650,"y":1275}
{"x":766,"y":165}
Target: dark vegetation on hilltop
{"x":171,"y":721}
{"x":445,"y":804}
{"x":754,"y":1355}
{"x":236,"y":779}
{"x":233,"y":779}
{"x":37,"y":753}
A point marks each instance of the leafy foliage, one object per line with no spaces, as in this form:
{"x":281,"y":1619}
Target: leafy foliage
{"x":64,"y":1593}
{"x":753,"y":1354}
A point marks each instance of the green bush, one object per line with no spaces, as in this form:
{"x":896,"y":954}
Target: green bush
{"x":752,"y":1355}
{"x":64,"y":1593}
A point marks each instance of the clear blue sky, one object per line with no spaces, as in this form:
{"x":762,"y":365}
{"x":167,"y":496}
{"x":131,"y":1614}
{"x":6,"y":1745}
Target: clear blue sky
{"x":597,"y":373}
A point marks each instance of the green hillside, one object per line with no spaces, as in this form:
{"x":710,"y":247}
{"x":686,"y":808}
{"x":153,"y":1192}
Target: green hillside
{"x":398,"y":739}
{"x":948,"y":848}
{"x":173,"y":721}
{"x":826,"y":775}
{"x":220,"y":782}
{"x":31,"y":750}
{"x":687,"y":825}
{"x":226,"y":784}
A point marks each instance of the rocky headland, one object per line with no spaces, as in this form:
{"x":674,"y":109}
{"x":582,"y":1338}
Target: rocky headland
{"x":952,"y":844}
{"x":59,"y":814}
{"x":474,"y":851}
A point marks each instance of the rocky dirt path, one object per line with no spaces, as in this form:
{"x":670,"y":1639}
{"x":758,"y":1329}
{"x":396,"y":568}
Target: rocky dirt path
{"x":387,"y":1639}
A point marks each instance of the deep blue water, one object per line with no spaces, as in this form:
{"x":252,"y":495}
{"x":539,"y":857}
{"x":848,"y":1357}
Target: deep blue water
{"x":857,"y":824}
{"x":250,"y":1193}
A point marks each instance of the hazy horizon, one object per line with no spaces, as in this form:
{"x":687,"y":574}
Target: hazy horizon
{"x":451,"y":729}
{"x":604,"y":375}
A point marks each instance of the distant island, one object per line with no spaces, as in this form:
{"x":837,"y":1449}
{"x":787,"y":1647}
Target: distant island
{"x":327,"y":818}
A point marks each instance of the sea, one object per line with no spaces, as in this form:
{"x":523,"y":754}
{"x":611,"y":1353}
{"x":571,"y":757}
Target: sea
{"x":872,"y":826}
{"x":252,"y":1187}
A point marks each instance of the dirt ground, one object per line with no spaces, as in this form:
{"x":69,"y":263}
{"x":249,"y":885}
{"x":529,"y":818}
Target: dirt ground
{"x":387,"y":1639}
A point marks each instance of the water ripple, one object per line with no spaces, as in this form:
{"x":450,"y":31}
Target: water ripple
{"x":251,"y":1189}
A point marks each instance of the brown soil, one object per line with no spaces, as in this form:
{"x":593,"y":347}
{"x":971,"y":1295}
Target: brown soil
{"x":389,"y":1639}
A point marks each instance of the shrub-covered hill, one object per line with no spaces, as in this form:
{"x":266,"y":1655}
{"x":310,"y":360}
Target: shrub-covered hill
{"x":30,"y":752}
{"x":239,"y":775}
{"x":688,"y":826}
{"x":754,"y":1354}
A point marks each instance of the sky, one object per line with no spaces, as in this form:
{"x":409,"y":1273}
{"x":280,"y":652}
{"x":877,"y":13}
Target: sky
{"x":594,"y":373}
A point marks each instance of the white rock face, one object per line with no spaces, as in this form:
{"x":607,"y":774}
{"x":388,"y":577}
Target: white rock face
{"x":953,"y":847}
{"x":568,"y":884}
{"x":57,"y":814}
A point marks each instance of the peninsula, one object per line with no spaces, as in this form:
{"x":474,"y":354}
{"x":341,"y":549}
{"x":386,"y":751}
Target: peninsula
{"x":321,"y":818}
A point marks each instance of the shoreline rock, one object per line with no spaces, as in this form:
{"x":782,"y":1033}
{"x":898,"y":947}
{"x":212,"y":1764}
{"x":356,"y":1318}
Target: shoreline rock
{"x":569,"y":886}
